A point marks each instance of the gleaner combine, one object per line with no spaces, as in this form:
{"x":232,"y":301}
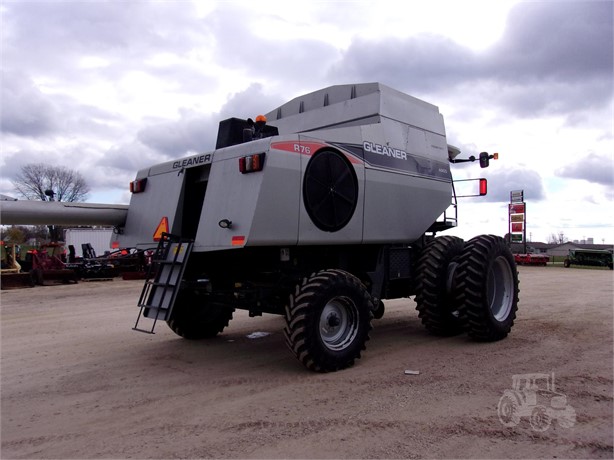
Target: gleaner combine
{"x":317,"y":211}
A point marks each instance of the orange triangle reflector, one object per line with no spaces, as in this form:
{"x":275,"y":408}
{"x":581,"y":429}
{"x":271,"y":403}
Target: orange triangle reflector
{"x":162,"y":228}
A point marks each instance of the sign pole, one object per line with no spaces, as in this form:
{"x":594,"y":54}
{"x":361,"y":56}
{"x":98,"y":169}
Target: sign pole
{"x":517,"y":219}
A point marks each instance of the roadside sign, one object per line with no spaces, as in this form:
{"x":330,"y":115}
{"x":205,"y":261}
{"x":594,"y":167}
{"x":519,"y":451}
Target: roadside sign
{"x":517,"y":217}
{"x":517,"y":208}
{"x":517,"y":196}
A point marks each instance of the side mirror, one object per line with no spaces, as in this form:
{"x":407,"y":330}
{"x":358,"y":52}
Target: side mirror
{"x":485,"y":159}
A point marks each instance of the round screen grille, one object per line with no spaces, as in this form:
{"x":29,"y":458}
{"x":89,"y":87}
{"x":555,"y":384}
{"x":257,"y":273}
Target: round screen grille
{"x":330,"y":190}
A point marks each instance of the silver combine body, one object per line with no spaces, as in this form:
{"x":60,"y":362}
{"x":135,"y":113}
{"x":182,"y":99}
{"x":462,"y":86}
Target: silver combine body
{"x":395,"y":144}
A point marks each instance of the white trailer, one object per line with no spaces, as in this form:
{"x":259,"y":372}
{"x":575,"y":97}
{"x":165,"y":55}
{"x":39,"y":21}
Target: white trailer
{"x":99,"y":238}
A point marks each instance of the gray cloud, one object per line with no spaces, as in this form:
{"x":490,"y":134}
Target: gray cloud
{"x":554,"y":58}
{"x":195,"y":132}
{"x":251,"y":102}
{"x":25,"y":110}
{"x":417,"y":64}
{"x":176,"y":138}
{"x":561,"y":41}
{"x":592,"y":168}
{"x":270,"y":59}
{"x":502,"y":181}
{"x":54,"y":35}
{"x":130,"y":157}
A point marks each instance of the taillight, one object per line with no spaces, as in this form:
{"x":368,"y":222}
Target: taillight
{"x":251,"y":163}
{"x":138,"y":186}
{"x":483,"y":187}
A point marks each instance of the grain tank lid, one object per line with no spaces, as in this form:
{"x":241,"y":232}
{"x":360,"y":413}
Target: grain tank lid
{"x":354,"y":104}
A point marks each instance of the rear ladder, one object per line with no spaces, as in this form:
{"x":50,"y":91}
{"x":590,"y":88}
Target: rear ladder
{"x":163,"y":280}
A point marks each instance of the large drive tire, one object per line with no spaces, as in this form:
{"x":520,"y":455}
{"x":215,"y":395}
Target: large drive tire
{"x":435,"y":286}
{"x":487,"y":287}
{"x":328,"y":320}
{"x":193,"y":319}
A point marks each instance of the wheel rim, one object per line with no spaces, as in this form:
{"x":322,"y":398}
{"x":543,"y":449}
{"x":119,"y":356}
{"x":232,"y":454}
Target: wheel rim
{"x":338,"y":323}
{"x":500,"y":288}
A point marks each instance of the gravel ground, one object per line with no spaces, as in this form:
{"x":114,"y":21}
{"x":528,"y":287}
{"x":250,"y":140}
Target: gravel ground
{"x":77,"y":382}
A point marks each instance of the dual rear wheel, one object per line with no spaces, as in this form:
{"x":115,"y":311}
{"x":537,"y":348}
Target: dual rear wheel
{"x":470,"y":286}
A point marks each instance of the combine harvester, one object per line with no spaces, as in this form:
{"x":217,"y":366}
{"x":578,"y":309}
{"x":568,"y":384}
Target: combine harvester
{"x":318,"y":216}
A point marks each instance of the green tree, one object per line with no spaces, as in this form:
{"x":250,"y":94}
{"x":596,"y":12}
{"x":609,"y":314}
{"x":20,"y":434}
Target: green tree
{"x":14,"y":235}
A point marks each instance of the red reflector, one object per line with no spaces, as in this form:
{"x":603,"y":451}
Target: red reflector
{"x":115,"y":245}
{"x":238,"y":240}
{"x":483,"y":187}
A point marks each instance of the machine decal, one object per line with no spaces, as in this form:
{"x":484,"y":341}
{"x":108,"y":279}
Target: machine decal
{"x":309,"y":148}
{"x":384,"y":150}
{"x":203,"y":159}
{"x":397,"y":160}
{"x":304,"y":148}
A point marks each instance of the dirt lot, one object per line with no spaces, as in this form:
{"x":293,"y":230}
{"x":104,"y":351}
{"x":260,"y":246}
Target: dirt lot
{"x":77,"y":382}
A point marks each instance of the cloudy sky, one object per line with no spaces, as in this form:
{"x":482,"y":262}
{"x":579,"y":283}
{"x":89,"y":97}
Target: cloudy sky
{"x":109,"y":87}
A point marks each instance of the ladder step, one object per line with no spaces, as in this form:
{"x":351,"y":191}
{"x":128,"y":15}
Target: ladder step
{"x":153,"y":312}
{"x":163,"y":280}
{"x":143,"y":330}
{"x":159,"y":284}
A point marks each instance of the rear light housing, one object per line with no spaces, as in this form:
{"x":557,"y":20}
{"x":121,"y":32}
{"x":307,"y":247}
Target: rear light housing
{"x":251,"y":163}
{"x":138,"y":186}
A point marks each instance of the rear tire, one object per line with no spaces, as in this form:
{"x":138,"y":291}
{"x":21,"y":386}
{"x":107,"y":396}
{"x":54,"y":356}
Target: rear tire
{"x":435,"y":286}
{"x":193,"y":319}
{"x":488,"y":288}
{"x":328,"y":320}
